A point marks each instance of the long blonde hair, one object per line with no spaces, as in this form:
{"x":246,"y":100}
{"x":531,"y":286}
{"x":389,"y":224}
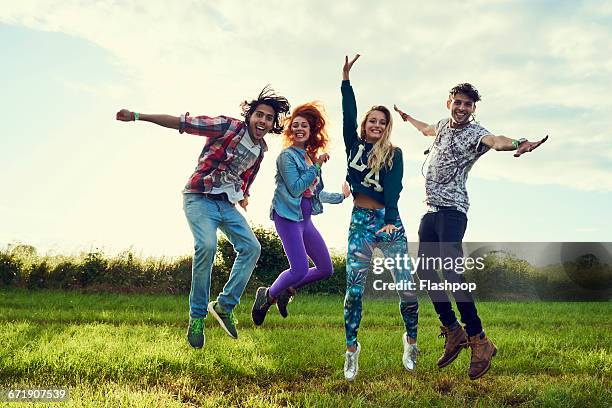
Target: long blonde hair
{"x":382,"y":152}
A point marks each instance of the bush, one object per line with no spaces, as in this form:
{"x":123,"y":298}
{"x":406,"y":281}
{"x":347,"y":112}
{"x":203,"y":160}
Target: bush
{"x":272,"y":260}
{"x":122,"y":270}
{"x":504,"y":277}
{"x":38,"y":276}
{"x":179,"y":275}
{"x":93,"y":268}
{"x":65,"y":275}
{"x":336,"y":284}
{"x":9,"y":269}
{"x":554,"y":282}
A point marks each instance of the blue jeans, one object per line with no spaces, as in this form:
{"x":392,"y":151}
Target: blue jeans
{"x":440,"y":235}
{"x":205,"y":216}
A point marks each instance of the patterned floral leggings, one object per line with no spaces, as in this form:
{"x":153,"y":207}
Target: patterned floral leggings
{"x":362,"y":243}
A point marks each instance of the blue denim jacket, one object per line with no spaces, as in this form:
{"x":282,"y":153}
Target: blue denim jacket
{"x":293,"y":177}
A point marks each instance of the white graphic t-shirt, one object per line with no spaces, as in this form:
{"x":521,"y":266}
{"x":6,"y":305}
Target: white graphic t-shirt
{"x":452,"y":156}
{"x":229,"y":180}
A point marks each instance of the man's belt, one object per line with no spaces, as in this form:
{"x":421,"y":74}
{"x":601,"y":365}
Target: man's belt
{"x":436,"y":208}
{"x":217,"y":197}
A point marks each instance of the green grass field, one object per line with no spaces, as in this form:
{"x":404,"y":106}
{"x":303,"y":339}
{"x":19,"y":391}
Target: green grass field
{"x":130,"y":350}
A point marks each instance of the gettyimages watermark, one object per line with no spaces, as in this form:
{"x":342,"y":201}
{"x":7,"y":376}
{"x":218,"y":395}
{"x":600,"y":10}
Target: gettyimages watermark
{"x":564,"y":271}
{"x":387,"y":258}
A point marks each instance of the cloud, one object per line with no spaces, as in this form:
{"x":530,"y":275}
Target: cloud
{"x":538,"y":76}
{"x":99,"y":90}
{"x":542,"y":68}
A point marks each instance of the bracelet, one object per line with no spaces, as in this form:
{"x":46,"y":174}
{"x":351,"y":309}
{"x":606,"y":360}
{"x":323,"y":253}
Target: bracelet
{"x":136,"y":115}
{"x":517,"y":143}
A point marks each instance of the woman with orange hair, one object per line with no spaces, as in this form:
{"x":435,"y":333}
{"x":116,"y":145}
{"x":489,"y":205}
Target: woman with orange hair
{"x":299,"y":195}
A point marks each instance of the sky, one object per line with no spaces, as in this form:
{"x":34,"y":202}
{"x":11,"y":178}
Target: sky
{"x":73,"y":178}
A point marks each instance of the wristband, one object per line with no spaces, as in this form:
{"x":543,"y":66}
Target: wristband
{"x":136,"y":115}
{"x":517,"y":143}
{"x":318,"y":166}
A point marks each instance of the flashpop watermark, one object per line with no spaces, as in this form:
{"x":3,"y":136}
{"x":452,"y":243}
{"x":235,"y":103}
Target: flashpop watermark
{"x":501,"y":270}
{"x":403,"y":286}
{"x":400,"y":264}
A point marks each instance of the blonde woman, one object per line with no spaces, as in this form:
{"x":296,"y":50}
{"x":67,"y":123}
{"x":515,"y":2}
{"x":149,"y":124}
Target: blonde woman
{"x":375,"y":170}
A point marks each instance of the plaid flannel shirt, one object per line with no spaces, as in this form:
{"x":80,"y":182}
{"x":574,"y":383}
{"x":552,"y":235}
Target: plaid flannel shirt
{"x":223,"y":135}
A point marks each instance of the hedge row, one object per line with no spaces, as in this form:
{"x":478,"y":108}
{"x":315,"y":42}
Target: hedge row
{"x":504,"y":276}
{"x":22,"y":267}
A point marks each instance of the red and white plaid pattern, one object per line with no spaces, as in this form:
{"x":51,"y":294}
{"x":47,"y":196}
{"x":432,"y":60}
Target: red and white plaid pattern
{"x":223,"y":135}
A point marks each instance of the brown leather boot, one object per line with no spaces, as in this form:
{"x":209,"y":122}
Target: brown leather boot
{"x":455,"y":341}
{"x":483,"y":351}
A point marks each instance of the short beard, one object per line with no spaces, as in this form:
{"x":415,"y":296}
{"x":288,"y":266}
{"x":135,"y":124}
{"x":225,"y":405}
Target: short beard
{"x":462,"y":124}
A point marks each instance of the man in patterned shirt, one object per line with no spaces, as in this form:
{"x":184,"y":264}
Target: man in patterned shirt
{"x":459,"y":142}
{"x":226,"y":168}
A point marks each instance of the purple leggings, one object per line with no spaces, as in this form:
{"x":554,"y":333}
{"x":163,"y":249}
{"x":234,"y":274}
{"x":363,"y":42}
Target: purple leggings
{"x":301,"y":240}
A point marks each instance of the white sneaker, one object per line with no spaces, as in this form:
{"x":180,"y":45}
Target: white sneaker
{"x":410,"y":354}
{"x":351,"y":363}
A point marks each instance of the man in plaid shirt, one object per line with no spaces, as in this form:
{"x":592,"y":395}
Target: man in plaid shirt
{"x":226,"y":168}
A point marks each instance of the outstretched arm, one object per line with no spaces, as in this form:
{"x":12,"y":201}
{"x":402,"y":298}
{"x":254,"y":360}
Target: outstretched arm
{"x":349,"y":107}
{"x":424,"y":128}
{"x":504,"y":143}
{"x":335,"y":198}
{"x":168,"y":121}
{"x":194,"y":125}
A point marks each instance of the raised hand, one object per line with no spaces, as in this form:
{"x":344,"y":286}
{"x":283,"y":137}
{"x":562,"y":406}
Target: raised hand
{"x":125,"y":115}
{"x":348,"y":65}
{"x":528,"y":146}
{"x":401,"y":113}
{"x":322,"y":158}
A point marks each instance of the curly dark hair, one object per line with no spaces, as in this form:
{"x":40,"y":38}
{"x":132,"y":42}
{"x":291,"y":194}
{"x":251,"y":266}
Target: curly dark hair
{"x":466,"y":89}
{"x":268,"y":96}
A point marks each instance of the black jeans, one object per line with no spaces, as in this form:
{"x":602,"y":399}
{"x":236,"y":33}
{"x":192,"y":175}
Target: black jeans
{"x":440,"y":236}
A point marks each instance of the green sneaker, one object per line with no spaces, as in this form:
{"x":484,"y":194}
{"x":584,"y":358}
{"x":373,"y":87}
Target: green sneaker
{"x":195,"y":333}
{"x":227,"y":320}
